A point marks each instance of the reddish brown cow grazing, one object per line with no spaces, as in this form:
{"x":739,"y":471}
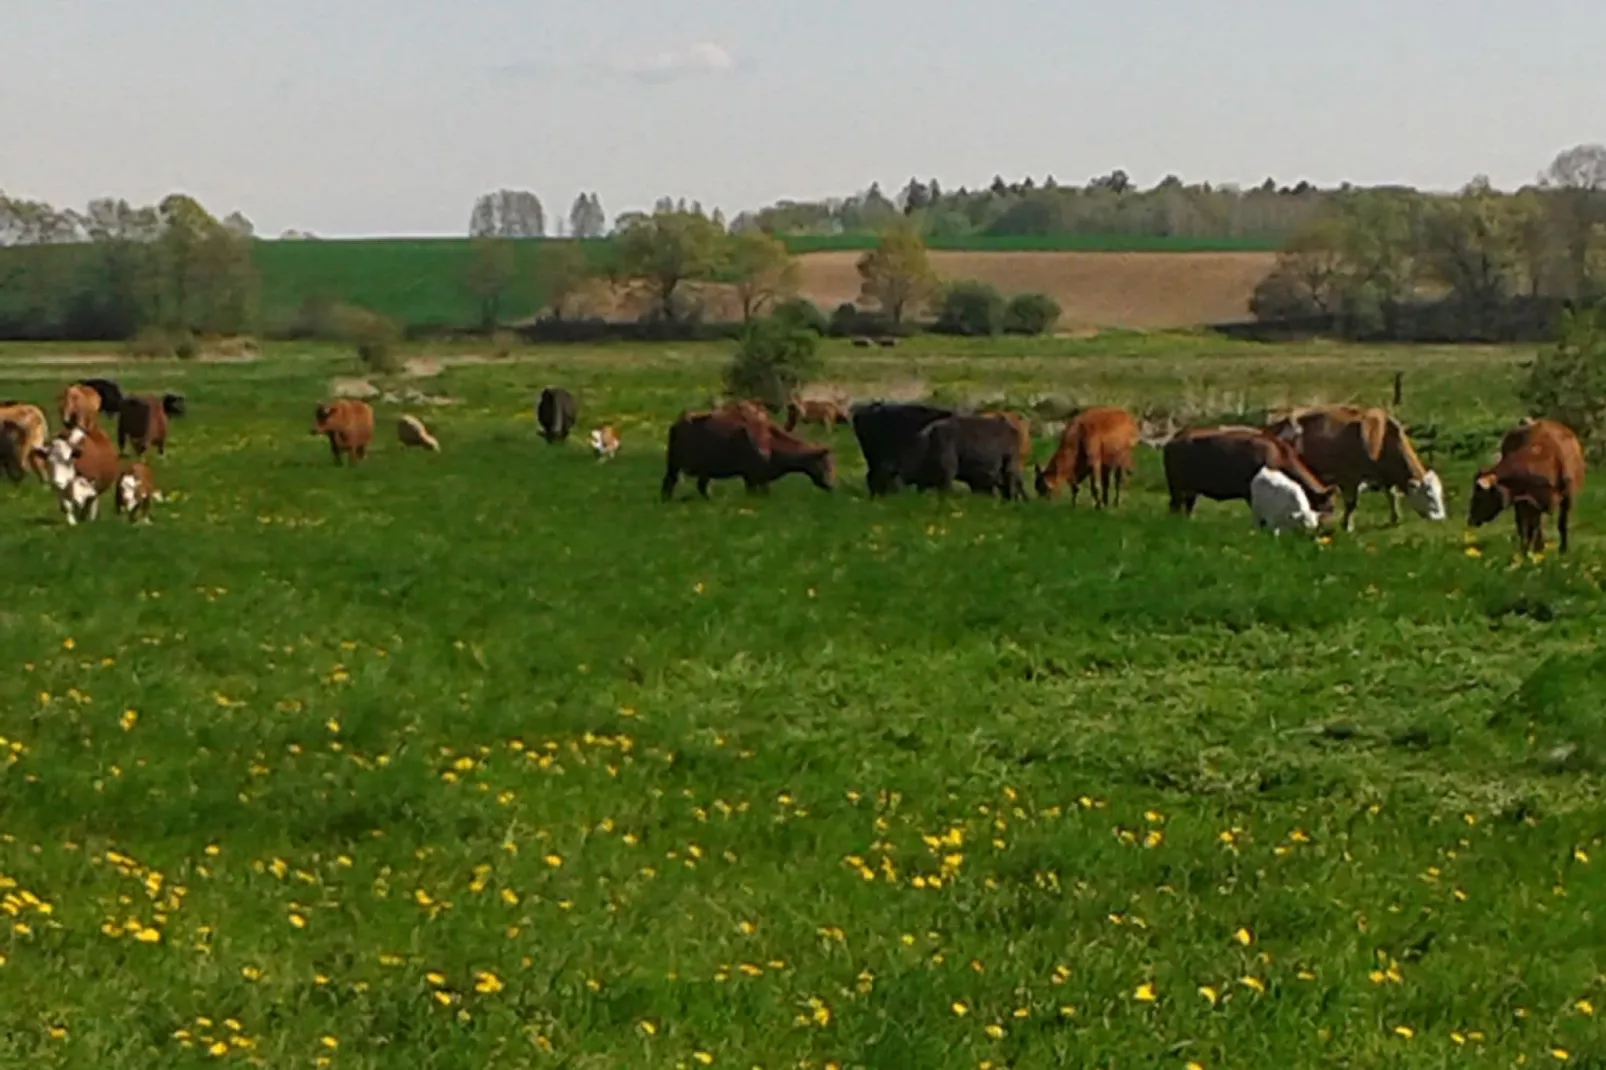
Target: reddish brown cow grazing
{"x":1220,"y":463}
{"x":1541,"y":467}
{"x":1097,"y":444}
{"x":80,"y":407}
{"x":142,"y":420}
{"x":739,"y":441}
{"x":349,"y":424}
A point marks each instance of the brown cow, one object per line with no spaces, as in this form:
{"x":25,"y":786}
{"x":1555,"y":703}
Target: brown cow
{"x":1023,"y":431}
{"x":142,"y":420}
{"x":1541,"y":466}
{"x":80,"y":407}
{"x":827,"y":412}
{"x":739,"y":441}
{"x":136,"y":490}
{"x":1097,"y":445}
{"x":81,"y":465}
{"x":1350,"y":447}
{"x":1220,"y":463}
{"x":349,"y":424}
{"x":28,"y":439}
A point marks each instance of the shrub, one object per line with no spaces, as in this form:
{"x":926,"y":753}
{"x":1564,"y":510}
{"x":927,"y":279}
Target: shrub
{"x":970,"y":308}
{"x":849,"y":320}
{"x":1568,"y":381}
{"x":803,"y":313}
{"x":151,"y":343}
{"x":372,"y":335}
{"x":1031,"y":314}
{"x":186,"y":346}
{"x":776,"y":357}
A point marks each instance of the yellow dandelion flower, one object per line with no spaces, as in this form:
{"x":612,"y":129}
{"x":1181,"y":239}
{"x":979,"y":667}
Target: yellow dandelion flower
{"x":1458,"y":1038}
{"x":1473,"y":551}
{"x":1584,"y":1007}
{"x":298,"y":921}
{"x":1154,"y":839}
{"x":128,"y":720}
{"x":149,"y":936}
{"x":1145,"y":993}
{"x":1254,"y":983}
{"x":67,"y":643}
{"x":1244,"y":937}
{"x":251,"y":973}
{"x":1560,"y":1054}
{"x":329,"y":1042}
{"x":1191,"y":1065}
{"x":961,"y":1008}
{"x":1404,"y":1031}
{"x":647,"y":1027}
{"x":487,"y":983}
{"x":443,"y":998}
{"x":218,"y":1050}
{"x":702,"y":1056}
{"x":995,"y":1031}
{"x":434,"y":978}
{"x":554,"y":860}
{"x":1210,"y":994}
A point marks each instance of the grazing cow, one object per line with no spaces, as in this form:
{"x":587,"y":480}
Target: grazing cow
{"x":731,"y":442}
{"x":29,"y":437}
{"x":143,"y":421}
{"x":1350,"y":447}
{"x":1541,"y":467}
{"x":1278,"y":503}
{"x":80,"y":407}
{"x":1023,"y":431}
{"x":827,"y":412}
{"x":605,"y":442}
{"x":136,"y":490}
{"x":980,"y":451}
{"x":885,"y":431}
{"x":1097,"y":445}
{"x":1220,"y":462}
{"x":413,"y":433}
{"x":349,"y":425}
{"x":111,"y":395}
{"x":81,"y":466}
{"x":556,"y":410}
{"x":174,"y":404}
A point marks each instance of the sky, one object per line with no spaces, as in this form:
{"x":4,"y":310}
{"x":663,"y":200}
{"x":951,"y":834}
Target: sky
{"x":388,"y":117}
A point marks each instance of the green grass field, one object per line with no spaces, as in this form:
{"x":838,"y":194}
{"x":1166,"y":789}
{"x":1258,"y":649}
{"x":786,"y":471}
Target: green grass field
{"x":488,"y":758}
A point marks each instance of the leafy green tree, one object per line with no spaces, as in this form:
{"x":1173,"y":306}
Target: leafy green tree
{"x":489,"y":275}
{"x":776,"y":357}
{"x":1567,"y":382}
{"x":970,"y":308}
{"x":762,"y":271}
{"x":562,"y":273}
{"x":663,"y":252}
{"x":896,"y":275}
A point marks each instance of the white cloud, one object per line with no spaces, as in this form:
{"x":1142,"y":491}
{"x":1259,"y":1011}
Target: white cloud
{"x":666,"y":65}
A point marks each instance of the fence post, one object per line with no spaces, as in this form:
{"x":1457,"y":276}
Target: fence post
{"x":1399,"y":388}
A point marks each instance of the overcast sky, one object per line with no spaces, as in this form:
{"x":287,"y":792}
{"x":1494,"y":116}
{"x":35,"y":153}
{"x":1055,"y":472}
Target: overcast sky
{"x":389,"y":116}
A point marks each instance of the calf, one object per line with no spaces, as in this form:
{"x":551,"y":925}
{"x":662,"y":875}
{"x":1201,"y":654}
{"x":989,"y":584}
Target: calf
{"x":605,"y":442}
{"x":136,"y":490}
{"x":1351,"y":447}
{"x":556,"y":410}
{"x":1096,"y":445}
{"x":413,"y":433}
{"x":1220,"y":462}
{"x":1541,"y":468}
{"x":28,"y":438}
{"x":81,"y":466}
{"x":885,"y":431}
{"x":143,"y":421}
{"x":349,"y":426}
{"x":980,"y":451}
{"x":80,"y":407}
{"x":1278,"y":503}
{"x":732,"y":442}
{"x":827,"y":412}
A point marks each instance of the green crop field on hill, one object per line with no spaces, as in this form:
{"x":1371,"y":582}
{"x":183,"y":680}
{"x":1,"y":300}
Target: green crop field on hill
{"x":489,"y":758}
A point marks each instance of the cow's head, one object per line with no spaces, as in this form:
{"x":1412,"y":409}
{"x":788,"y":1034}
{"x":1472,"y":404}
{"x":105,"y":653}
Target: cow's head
{"x":174,"y":404}
{"x":127,"y":492}
{"x":320,"y":419}
{"x":1426,"y":496}
{"x":821,"y":468}
{"x":60,"y":458}
{"x":1488,"y":499}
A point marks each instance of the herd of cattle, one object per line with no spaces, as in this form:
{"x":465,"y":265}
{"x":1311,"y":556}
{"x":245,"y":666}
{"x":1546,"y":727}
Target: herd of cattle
{"x":1289,"y":471}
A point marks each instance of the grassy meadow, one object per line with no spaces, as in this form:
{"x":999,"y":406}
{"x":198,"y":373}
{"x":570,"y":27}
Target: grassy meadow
{"x":489,"y":758}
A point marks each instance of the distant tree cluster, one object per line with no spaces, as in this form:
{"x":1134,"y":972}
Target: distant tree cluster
{"x":1476,"y":264}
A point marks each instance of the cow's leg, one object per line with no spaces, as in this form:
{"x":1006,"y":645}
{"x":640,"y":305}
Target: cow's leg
{"x":702,"y":486}
{"x":1351,"y":496}
{"x":94,"y":508}
{"x":1104,"y":475}
{"x":334,"y":448}
{"x":666,"y":490}
{"x":1564,"y":510}
{"x":67,"y":510}
{"x":122,"y":439}
{"x":1394,"y":504}
{"x":1120,"y":478}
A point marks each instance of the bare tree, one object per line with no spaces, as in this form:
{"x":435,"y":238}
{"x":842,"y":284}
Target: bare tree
{"x":507,"y":214}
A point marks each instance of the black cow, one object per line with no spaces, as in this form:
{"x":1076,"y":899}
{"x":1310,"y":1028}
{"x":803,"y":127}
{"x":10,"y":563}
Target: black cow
{"x":174,"y":404}
{"x":111,"y":395}
{"x":731,"y":443}
{"x":885,"y":431}
{"x":980,"y":451}
{"x":557,"y":411}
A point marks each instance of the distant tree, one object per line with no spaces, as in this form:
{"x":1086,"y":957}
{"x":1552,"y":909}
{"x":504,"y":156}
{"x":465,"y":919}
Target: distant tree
{"x":915,"y":197}
{"x":586,"y":217}
{"x":238,"y":225}
{"x":897,"y":273}
{"x":662,"y":252}
{"x":1468,"y":245}
{"x":1116,"y":181}
{"x":1576,"y":183}
{"x":562,"y":273}
{"x":970,"y":307}
{"x":35,"y":223}
{"x":490,"y":273}
{"x":761,"y":269}
{"x":507,"y":214}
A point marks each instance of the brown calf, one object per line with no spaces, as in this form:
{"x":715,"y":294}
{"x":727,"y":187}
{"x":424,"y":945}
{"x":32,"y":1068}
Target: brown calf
{"x":349,"y":425}
{"x":827,"y":412}
{"x":1541,"y":467}
{"x":1097,"y":444}
{"x":80,"y":407}
{"x":136,"y":490}
{"x":142,"y":420}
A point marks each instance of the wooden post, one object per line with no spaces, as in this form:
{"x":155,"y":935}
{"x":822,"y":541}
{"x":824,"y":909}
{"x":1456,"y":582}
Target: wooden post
{"x":1399,"y":388}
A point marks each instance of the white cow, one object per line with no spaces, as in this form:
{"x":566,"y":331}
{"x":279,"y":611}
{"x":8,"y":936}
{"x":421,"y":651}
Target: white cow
{"x":1278,"y":503}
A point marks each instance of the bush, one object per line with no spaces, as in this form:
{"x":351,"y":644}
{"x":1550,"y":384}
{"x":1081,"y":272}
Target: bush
{"x":970,"y":308}
{"x":372,"y":335}
{"x":776,"y":357}
{"x":186,"y":346}
{"x":1567,"y":382}
{"x":151,"y":343}
{"x":1031,"y":314}
{"x":849,"y":320}
{"x":803,"y":313}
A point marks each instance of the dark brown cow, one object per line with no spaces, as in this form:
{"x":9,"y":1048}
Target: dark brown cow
{"x":983,"y":452}
{"x":740,"y":441}
{"x":1220,"y":462}
{"x":1097,"y":444}
{"x":1023,"y":431}
{"x":349,"y":425}
{"x":1541,"y":468}
{"x":142,"y":420}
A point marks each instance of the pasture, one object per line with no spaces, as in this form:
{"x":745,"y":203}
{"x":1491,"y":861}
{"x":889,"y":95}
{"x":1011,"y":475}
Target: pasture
{"x":488,"y":758}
